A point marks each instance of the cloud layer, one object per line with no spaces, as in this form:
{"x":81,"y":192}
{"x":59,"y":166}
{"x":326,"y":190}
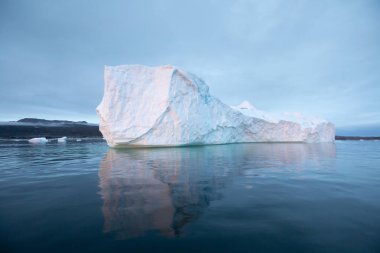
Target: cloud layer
{"x":317,"y":57}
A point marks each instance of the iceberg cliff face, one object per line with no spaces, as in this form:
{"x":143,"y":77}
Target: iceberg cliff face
{"x":166,"y":106}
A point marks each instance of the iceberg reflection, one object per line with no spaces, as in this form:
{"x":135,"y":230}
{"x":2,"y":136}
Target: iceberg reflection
{"x":163,"y":189}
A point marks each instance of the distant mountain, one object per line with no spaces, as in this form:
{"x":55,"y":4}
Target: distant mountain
{"x":32,"y":127}
{"x":356,"y":138}
{"x":364,"y":131}
{"x":45,"y":121}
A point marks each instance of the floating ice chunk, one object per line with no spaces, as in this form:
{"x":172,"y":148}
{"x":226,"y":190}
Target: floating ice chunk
{"x":62,"y":139}
{"x":41,"y":140}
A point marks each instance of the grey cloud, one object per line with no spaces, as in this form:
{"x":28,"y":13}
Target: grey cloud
{"x":316,"y":57}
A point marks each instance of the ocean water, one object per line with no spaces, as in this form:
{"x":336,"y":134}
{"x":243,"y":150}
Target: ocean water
{"x":85,"y":197}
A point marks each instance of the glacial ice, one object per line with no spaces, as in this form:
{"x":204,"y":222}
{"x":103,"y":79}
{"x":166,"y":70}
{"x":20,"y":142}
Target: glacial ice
{"x":41,"y":140}
{"x":167,"y":106}
{"x":248,"y":109}
{"x":62,"y":139}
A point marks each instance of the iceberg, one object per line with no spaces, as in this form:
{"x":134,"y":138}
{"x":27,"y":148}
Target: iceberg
{"x":167,"y":106}
{"x":62,"y":139}
{"x":41,"y":140}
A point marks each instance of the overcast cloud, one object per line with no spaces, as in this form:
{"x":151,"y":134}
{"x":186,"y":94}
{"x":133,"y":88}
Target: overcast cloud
{"x":317,"y":57}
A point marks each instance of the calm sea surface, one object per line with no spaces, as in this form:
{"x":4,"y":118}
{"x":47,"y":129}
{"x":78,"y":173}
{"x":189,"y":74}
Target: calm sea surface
{"x":85,"y":197}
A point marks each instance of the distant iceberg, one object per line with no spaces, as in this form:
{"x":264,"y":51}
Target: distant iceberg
{"x":41,"y":140}
{"x":166,"y":106}
{"x":62,"y":139}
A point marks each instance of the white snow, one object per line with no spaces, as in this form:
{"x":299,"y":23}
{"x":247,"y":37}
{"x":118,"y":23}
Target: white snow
{"x":41,"y":140}
{"x":248,"y":109}
{"x":166,"y":106}
{"x":62,"y":139}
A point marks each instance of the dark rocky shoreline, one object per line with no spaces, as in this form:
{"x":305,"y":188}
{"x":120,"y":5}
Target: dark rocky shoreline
{"x":355,"y":138}
{"x":30,"y":128}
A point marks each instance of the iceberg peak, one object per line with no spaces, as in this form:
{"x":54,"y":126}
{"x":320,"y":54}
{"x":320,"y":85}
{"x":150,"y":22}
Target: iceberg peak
{"x":246,"y":105}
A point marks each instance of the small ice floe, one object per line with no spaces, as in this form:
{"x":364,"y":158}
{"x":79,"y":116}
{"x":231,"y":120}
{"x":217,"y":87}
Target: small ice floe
{"x":41,"y":140}
{"x":62,"y":139}
{"x":79,"y":139}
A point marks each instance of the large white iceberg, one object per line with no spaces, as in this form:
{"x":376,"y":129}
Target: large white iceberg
{"x":166,"y":106}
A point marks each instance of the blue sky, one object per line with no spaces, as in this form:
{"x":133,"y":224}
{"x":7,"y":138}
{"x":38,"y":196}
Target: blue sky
{"x":319,"y":58}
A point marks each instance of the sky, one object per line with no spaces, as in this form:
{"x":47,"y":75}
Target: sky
{"x":320,"y":58}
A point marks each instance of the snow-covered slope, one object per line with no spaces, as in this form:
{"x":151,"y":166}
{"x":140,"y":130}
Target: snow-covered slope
{"x":166,"y":106}
{"x":248,"y":109}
